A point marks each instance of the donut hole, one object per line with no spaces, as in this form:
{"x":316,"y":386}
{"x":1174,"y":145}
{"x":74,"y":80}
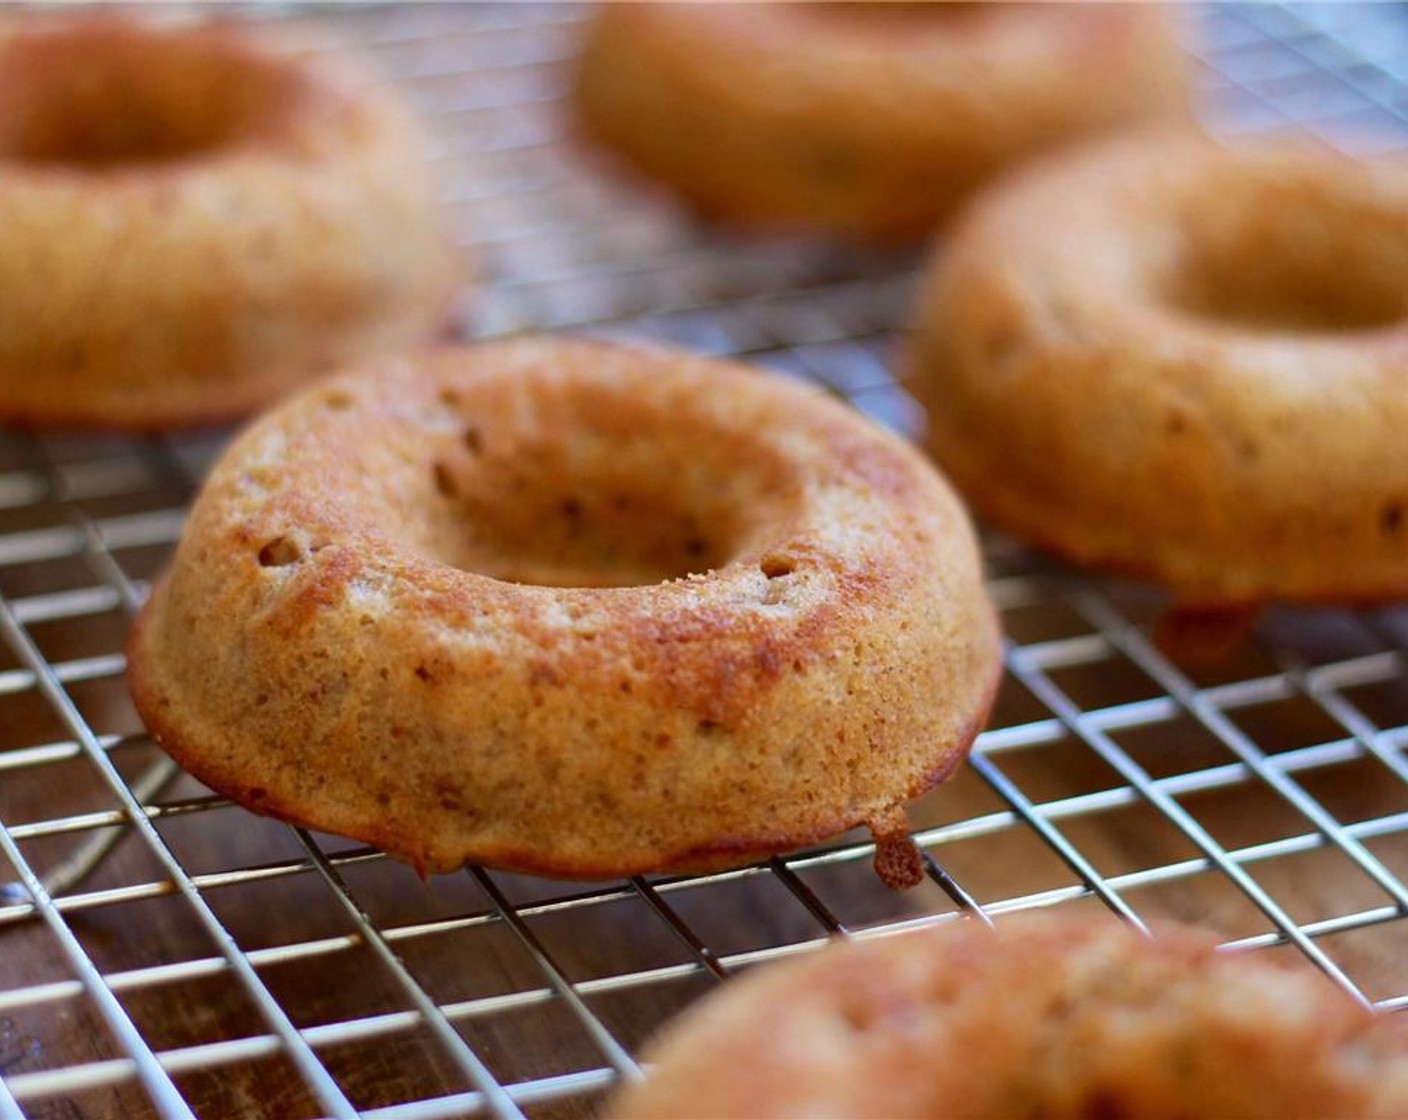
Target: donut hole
{"x":1277,"y":265}
{"x":898,"y":16}
{"x":538,"y":514}
{"x":106,"y":95}
{"x":577,"y":534}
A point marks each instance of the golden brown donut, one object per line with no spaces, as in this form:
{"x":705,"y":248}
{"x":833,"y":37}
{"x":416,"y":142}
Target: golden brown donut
{"x":1183,"y":361}
{"x":571,"y":608}
{"x":1049,"y":1017}
{"x":871,"y":120}
{"x":196,"y":220}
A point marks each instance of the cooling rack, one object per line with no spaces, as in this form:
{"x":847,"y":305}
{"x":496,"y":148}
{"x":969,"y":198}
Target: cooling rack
{"x":163,"y":953}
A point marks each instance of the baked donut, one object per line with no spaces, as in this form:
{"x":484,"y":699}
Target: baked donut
{"x":196,"y":220}
{"x":869,"y":120}
{"x":574,"y":609}
{"x":1183,"y":361}
{"x":1050,"y":1017}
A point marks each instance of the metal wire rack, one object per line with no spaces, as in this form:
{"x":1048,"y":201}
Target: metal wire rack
{"x":164,"y":953}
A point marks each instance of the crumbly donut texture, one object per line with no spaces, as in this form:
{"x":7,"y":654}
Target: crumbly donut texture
{"x":872,"y":120}
{"x":570,"y":608}
{"x":1049,"y":1017}
{"x":195,"y":220}
{"x":1183,"y":361}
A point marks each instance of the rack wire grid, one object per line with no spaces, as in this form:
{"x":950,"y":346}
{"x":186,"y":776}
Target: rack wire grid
{"x":163,"y":952}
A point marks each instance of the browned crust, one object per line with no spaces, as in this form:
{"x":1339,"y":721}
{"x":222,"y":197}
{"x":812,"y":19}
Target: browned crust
{"x":1049,"y":538}
{"x":196,"y":289}
{"x":205,"y":407}
{"x":1245,"y":610}
{"x":1053,"y":1016}
{"x":1080,"y":406}
{"x":720,"y":853}
{"x":584,"y":732}
{"x":874,"y":137}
